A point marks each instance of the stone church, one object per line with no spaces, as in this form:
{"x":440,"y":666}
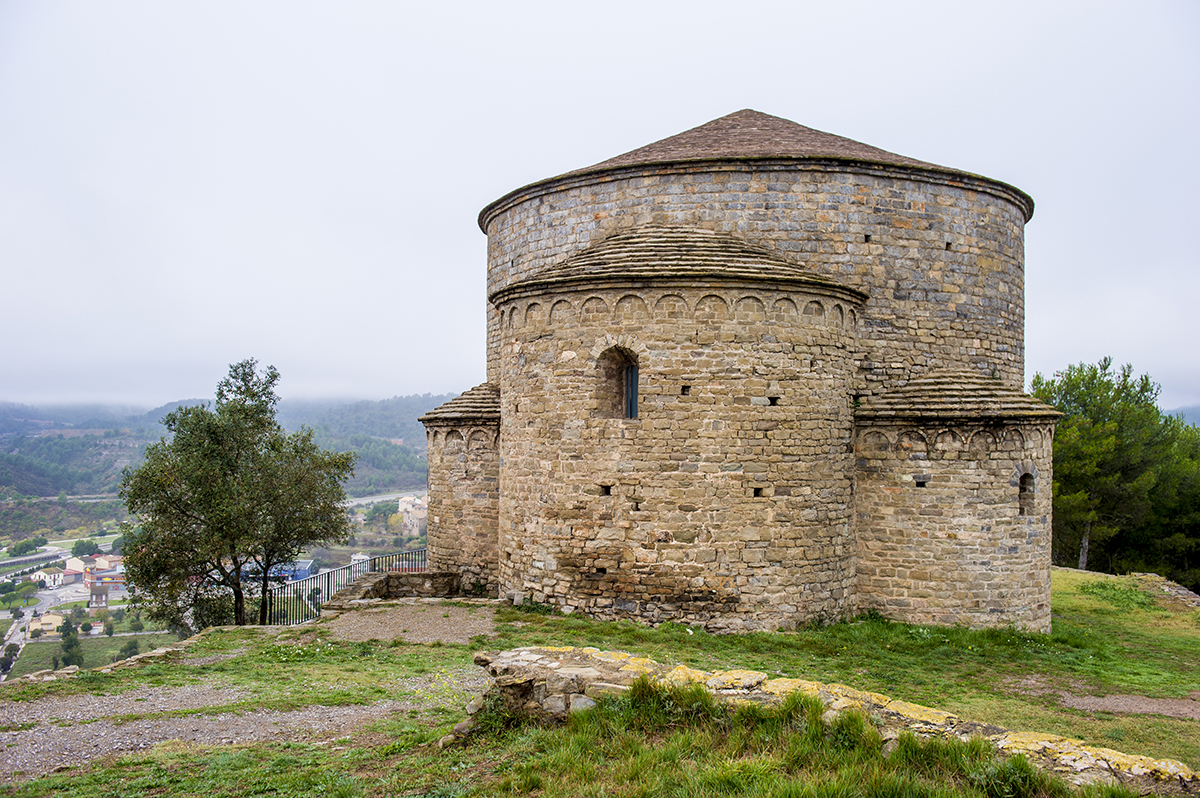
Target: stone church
{"x":749,"y":377}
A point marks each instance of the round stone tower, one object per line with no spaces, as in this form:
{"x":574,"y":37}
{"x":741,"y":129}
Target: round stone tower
{"x":940,"y":252}
{"x":675,"y":431}
{"x":697,"y":352}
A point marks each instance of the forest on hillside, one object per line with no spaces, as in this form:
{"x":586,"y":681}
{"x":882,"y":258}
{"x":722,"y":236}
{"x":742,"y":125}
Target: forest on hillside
{"x":84,"y":449}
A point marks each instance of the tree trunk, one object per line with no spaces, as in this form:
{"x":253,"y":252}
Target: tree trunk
{"x":239,"y":606}
{"x":1083,"y":545}
{"x":262,"y":599}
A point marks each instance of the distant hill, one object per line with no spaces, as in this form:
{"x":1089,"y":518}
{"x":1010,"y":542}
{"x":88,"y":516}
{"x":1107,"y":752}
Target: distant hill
{"x":1190,"y":414}
{"x":83,"y":449}
{"x":392,"y":419}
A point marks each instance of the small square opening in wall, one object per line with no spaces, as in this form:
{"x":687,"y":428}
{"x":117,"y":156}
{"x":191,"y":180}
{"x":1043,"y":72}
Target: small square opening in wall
{"x":758,"y":492}
{"x":601,"y":571}
{"x":685,"y":390}
{"x":947,"y":246}
{"x":606,"y":490}
{"x":773,"y":400}
{"x":867,"y":238}
{"x":921,"y":480}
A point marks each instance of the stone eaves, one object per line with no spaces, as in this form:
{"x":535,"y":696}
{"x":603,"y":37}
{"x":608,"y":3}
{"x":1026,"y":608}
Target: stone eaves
{"x":653,"y":253}
{"x":481,"y":403}
{"x":954,"y":396}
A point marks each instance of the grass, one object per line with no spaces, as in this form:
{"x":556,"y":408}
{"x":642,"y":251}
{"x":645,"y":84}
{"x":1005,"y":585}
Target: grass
{"x":97,"y":651}
{"x":651,"y":742}
{"x":1108,"y":638}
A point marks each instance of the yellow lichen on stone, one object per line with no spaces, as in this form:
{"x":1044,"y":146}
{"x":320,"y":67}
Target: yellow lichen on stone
{"x":557,"y":649}
{"x":785,"y":687}
{"x":918,"y":712}
{"x":1033,"y":741}
{"x":609,"y":656}
{"x":861,"y":696}
{"x":682,"y":674}
{"x":639,"y":665}
{"x":739,"y":679}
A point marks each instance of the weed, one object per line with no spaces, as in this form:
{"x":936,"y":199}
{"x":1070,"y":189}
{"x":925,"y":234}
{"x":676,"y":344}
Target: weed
{"x":1120,"y":595}
{"x":531,"y":607}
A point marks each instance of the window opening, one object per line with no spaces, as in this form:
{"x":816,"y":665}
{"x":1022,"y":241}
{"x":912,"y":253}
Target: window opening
{"x":631,"y":386}
{"x":758,"y":492}
{"x":772,"y":400}
{"x":617,"y":384}
{"x":867,"y":238}
{"x":685,"y":390}
{"x":606,"y":490}
{"x":1025,"y":495}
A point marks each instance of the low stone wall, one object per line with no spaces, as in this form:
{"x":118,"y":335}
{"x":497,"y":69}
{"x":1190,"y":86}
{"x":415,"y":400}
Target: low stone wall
{"x":550,"y":683}
{"x":394,"y":584}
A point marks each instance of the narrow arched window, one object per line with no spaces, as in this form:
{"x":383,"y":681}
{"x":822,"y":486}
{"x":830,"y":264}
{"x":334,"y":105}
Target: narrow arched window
{"x":1025,"y":495}
{"x":617,"y":388}
{"x":631,"y":388}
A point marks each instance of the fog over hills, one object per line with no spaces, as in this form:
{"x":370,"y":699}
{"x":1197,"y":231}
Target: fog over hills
{"x":82,"y":449}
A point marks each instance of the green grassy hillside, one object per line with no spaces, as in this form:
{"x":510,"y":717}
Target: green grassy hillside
{"x":1110,"y":638}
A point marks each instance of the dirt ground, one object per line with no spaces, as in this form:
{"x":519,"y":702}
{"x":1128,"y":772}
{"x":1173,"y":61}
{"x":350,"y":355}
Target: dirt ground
{"x":1121,"y":704}
{"x":414,"y":621}
{"x":53,"y":733}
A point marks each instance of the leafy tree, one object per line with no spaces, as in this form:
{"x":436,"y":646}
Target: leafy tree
{"x":85,"y":627}
{"x":1126,"y":476}
{"x":109,"y":627}
{"x":7,"y":587}
{"x":22,"y":548}
{"x":6,"y":663}
{"x":129,"y":649}
{"x":136,"y":625}
{"x":229,"y":498}
{"x":11,"y":650}
{"x":85,"y":548}
{"x":72,"y":652}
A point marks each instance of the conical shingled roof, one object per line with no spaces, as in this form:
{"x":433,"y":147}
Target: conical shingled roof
{"x":749,"y":134}
{"x":481,"y":403}
{"x":657,"y":252}
{"x":955,"y":395}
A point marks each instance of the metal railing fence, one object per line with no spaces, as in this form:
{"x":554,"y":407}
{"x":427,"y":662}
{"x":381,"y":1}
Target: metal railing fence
{"x":300,"y":601}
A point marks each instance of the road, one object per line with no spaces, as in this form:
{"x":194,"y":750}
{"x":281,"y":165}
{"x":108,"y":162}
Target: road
{"x":383,"y":497}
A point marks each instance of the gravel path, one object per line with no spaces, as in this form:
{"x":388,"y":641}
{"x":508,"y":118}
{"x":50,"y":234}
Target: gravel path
{"x":62,"y":736}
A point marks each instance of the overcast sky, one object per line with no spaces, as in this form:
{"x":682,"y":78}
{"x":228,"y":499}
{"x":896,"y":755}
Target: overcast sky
{"x":184,"y":185}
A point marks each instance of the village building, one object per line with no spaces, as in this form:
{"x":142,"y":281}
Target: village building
{"x":752,"y":376}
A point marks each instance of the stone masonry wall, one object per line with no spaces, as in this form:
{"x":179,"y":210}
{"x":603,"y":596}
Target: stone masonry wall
{"x":941,"y":535}
{"x":464,"y":465}
{"x":726,"y":501}
{"x":942,"y":259}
